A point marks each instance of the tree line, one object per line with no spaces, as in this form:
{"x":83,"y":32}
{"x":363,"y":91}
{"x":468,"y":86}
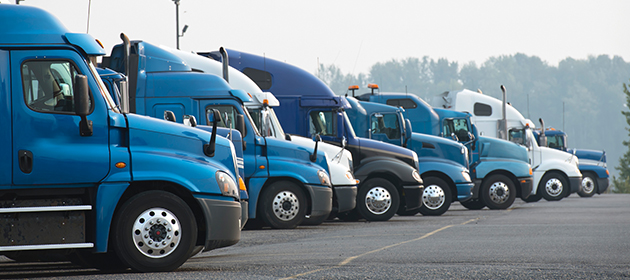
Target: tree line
{"x":582,"y":97}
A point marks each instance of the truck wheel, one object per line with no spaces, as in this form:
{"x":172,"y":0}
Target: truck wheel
{"x":473,"y":204}
{"x":436,"y":197}
{"x":283,"y":205}
{"x":589,"y":185}
{"x":553,"y":186}
{"x":498,"y":192}
{"x":154,"y":231}
{"x":377,"y":200}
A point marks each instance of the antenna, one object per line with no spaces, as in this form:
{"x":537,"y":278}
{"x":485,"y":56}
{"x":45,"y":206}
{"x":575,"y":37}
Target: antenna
{"x":88,"y":18}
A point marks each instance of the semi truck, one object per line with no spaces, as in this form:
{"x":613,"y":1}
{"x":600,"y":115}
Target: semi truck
{"x":83,"y":177}
{"x":286,"y":181}
{"x":443,"y":163}
{"x":499,"y":169}
{"x":556,"y":173}
{"x":388,"y":174}
{"x":592,"y":163}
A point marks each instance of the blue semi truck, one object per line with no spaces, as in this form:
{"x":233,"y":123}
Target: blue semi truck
{"x":287,"y":182}
{"x":592,"y":163}
{"x":81,"y":177}
{"x":388,"y":174}
{"x":499,"y":168}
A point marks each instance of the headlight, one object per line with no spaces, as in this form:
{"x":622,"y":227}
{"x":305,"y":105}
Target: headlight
{"x":415,"y":160}
{"x":323,"y":178}
{"x":227,"y":185}
{"x":416,"y":176}
{"x":349,"y":176}
{"x":463,"y":151}
{"x":466,"y":175}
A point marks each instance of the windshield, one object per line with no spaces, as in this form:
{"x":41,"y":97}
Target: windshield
{"x":267,"y":122}
{"x":349,"y":127}
{"x":556,"y":142}
{"x":103,"y":88}
{"x":522,"y":136}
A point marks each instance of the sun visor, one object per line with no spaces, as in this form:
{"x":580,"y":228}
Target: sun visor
{"x":86,"y":42}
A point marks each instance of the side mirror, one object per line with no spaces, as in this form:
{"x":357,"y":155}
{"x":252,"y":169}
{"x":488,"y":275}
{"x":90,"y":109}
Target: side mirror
{"x":240,"y":124}
{"x":82,"y":104}
{"x":190,"y":120}
{"x":169,"y":116}
{"x":213,"y":117}
{"x":316,"y":138}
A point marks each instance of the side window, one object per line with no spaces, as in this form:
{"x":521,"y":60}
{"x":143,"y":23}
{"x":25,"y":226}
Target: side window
{"x":260,"y":77}
{"x":483,"y":110}
{"x":322,"y":122}
{"x":457,"y":126}
{"x":48,"y":85}
{"x":385,"y":124}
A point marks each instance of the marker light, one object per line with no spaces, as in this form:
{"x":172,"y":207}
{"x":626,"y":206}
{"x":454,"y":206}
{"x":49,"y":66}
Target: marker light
{"x":121,"y":164}
{"x":266,"y":102}
{"x":99,"y":43}
{"x":353,"y":87}
{"x":373,"y":86}
{"x":241,"y":184}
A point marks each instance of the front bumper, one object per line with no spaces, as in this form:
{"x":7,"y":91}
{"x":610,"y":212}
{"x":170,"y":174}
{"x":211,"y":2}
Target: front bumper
{"x":321,"y":200}
{"x":602,"y":185}
{"x":344,"y":198}
{"x":413,"y":196}
{"x":223,"y":222}
{"x":527,"y":185}
{"x":575,"y":184}
{"x":465,"y":191}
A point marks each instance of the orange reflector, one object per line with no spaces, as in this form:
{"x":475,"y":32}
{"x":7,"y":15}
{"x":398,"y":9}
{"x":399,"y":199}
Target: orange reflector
{"x":607,"y":172}
{"x":530,"y":171}
{"x":241,"y":184}
{"x":353,"y":87}
{"x":99,"y":43}
{"x":373,"y":86}
{"x":523,"y":181}
{"x":265,"y":102}
{"x":121,"y":165}
{"x":357,"y":181}
{"x":250,"y":95}
{"x":261,"y":167}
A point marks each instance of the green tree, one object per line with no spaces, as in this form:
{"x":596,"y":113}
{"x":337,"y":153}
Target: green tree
{"x":622,"y":183}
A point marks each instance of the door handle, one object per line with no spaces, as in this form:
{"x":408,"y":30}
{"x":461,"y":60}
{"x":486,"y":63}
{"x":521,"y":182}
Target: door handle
{"x":25,"y":159}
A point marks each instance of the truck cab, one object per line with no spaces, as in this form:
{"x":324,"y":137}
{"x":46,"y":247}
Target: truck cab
{"x":592,"y":163}
{"x":556,"y":173}
{"x":286,"y":182}
{"x":389,"y":179}
{"x":499,"y":169}
{"x":108,"y":187}
{"x":443,"y":163}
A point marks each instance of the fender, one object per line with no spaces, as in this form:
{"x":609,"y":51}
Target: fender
{"x":600,"y":171}
{"x":569,"y":170}
{"x":401,"y":170}
{"x":107,"y":198}
{"x":304,"y":172}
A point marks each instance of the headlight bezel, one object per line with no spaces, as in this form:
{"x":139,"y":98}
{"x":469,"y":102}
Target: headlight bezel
{"x":227,"y":185}
{"x":324,"y":179}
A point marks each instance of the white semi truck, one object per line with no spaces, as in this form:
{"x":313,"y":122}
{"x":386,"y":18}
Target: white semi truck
{"x":556,"y":173}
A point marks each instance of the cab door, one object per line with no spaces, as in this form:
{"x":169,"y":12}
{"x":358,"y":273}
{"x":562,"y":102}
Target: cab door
{"x":386,"y":127}
{"x":48,"y":148}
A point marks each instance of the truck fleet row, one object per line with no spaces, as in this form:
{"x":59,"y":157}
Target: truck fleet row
{"x":154,"y":154}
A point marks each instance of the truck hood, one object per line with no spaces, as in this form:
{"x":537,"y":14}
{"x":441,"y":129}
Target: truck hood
{"x":371,"y":148}
{"x":168,"y":136}
{"x":549,"y":153}
{"x":340,"y":163}
{"x":439,"y":147}
{"x":289,"y":150}
{"x":589,"y":155}
{"x":499,"y":148}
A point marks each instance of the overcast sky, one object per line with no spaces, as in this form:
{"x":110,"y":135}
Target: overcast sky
{"x":355,"y":34}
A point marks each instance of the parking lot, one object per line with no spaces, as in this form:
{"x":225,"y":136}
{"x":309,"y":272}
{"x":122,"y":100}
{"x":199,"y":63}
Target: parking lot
{"x":576,"y":238}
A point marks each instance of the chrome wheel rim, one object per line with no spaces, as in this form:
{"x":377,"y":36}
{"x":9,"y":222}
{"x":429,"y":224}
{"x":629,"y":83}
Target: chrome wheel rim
{"x":554,"y":187}
{"x":499,"y":192}
{"x":433,"y":197}
{"x":378,"y":200}
{"x":588,"y":185}
{"x":286,"y":205}
{"x":156,"y":233}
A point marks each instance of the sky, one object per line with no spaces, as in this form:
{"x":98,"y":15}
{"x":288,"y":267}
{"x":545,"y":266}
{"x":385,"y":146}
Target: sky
{"x":356,"y":34}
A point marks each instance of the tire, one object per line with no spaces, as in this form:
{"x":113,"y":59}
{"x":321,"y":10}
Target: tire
{"x":533,"y":198}
{"x":377,"y":200}
{"x":473,"y":204}
{"x":553,"y":186}
{"x":498,"y":192}
{"x":589,"y":185}
{"x":436,"y":197}
{"x":283,"y":205}
{"x":146,"y":218}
